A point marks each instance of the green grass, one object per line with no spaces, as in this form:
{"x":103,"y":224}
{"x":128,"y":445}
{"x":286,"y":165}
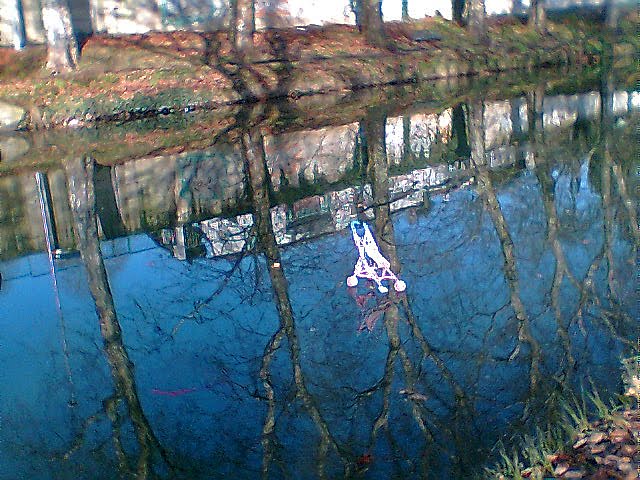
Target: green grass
{"x":530,"y":457}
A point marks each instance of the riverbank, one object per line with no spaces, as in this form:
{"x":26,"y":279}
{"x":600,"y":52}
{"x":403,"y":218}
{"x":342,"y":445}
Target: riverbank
{"x":598,"y":446}
{"x":126,"y":77}
{"x":603,"y":449}
{"x":288,"y":120}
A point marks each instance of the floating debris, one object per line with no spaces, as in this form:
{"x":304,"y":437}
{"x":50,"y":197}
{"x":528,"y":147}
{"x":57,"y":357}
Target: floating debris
{"x":371,"y":264}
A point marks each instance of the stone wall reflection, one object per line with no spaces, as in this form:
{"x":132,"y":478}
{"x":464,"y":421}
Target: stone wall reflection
{"x":174,"y":190}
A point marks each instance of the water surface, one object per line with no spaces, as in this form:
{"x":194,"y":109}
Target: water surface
{"x":187,"y":316}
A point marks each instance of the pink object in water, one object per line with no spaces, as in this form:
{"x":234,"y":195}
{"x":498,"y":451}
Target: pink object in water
{"x":173,"y":393}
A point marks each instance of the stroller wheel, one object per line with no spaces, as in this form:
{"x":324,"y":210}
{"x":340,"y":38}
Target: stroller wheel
{"x":399,"y":286}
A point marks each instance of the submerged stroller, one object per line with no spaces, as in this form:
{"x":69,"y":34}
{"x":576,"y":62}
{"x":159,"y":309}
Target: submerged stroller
{"x":371,"y":264}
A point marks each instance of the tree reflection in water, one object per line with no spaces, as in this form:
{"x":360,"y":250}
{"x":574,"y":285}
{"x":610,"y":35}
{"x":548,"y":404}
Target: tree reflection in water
{"x":80,"y":177}
{"x":252,"y":145}
{"x":416,"y":396}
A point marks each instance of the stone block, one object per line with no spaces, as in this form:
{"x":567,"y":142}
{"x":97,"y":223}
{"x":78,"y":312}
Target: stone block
{"x":10,"y":116}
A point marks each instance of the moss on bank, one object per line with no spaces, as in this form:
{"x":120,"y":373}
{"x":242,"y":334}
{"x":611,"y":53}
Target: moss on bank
{"x":144,"y":75}
{"x":116,"y":142}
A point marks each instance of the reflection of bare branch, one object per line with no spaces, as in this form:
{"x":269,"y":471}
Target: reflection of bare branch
{"x":626,"y":199}
{"x":79,"y":440}
{"x":83,"y":207}
{"x":196,"y":310}
{"x":561,"y":267}
{"x":606,"y":317}
{"x":588,"y":292}
{"x":270,"y":420}
{"x":608,"y":221}
{"x":373,"y":128}
{"x":374,"y":131}
{"x":490,"y":199}
{"x":586,"y":289}
{"x":111,"y":407}
{"x":511,"y":273}
{"x":255,"y":167}
{"x":428,"y":352}
{"x":383,"y":417}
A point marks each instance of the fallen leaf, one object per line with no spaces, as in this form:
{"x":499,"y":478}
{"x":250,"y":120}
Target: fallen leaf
{"x":371,"y":319}
{"x":580,"y":443}
{"x":625,"y":467}
{"x":628,"y":450}
{"x":573,"y":474}
{"x":364,"y":459}
{"x":611,"y":460}
{"x":560,"y":469}
{"x":619,"y":436}
{"x":597,"y":437}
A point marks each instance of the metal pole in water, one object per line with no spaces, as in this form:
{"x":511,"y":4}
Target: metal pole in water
{"x":48,"y":224}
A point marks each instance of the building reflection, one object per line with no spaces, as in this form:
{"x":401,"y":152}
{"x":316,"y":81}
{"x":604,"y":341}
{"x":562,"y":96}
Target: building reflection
{"x":312,"y":175}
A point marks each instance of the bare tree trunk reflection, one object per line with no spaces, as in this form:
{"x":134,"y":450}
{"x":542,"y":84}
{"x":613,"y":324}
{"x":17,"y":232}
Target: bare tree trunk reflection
{"x":268,"y":429}
{"x":407,"y":152}
{"x":80,"y":176}
{"x":459,"y":130}
{"x":553,"y":224}
{"x":373,"y":129}
{"x":606,"y":111}
{"x":475,"y":116}
{"x":613,"y":317}
{"x":535,"y":112}
{"x":255,"y":167}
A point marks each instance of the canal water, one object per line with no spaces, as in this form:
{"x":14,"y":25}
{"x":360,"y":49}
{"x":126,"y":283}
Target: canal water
{"x":185,"y":314}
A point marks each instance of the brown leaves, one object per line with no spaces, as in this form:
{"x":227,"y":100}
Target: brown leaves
{"x":370,"y":320}
{"x":606,"y":452}
{"x":370,"y":314}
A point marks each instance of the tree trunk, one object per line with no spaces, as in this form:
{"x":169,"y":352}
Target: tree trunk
{"x":535,"y":112}
{"x":242,"y":24}
{"x":374,"y":130}
{"x":407,"y":152}
{"x":459,"y":130}
{"x":405,"y":10}
{"x":457,"y":11}
{"x":255,"y":167}
{"x":537,"y":16}
{"x":475,"y":124}
{"x":476,"y":21}
{"x":82,"y":199}
{"x":15,"y":19}
{"x":517,"y":8}
{"x":611,"y":14}
{"x":62,"y":48}
{"x":371,"y":24}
